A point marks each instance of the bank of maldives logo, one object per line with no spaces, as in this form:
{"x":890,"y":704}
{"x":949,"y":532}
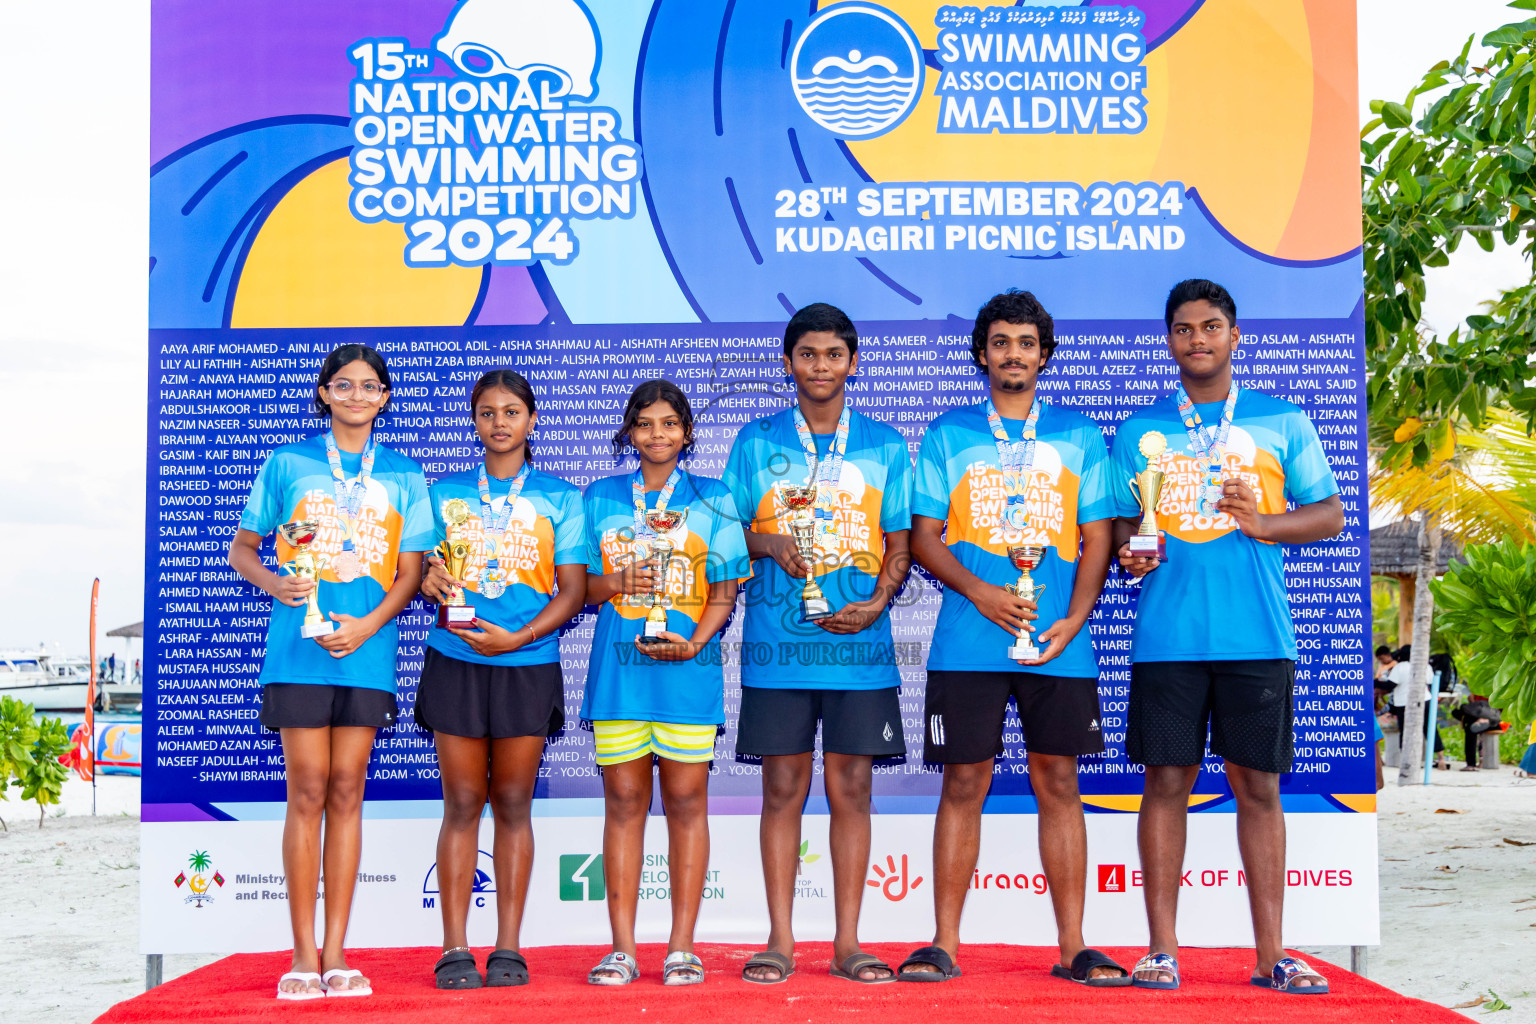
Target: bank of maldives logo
{"x":202,"y":879}
{"x":581,"y":877}
{"x":857,"y":70}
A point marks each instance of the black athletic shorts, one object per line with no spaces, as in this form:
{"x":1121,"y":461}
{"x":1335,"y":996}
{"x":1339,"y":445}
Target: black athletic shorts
{"x":462,"y":698}
{"x":1246,"y":705}
{"x":318,"y":705}
{"x":965,"y":711}
{"x":775,"y":721}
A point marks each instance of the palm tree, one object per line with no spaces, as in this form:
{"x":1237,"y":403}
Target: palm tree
{"x":1480,"y":484}
{"x":200,"y":860}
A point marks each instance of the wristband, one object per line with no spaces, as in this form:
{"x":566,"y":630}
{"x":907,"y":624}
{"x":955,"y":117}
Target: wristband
{"x":531,"y":631}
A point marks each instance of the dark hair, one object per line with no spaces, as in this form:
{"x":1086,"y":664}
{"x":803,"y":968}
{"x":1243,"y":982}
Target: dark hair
{"x":820,"y":316}
{"x":1012,"y":307}
{"x":1384,"y":649}
{"x":1195,"y":289}
{"x":339,"y":357}
{"x":509,"y":380}
{"x":1404,"y":653}
{"x":648,"y":393}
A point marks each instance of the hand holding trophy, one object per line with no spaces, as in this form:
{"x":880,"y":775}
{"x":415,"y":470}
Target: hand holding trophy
{"x":1024,"y":558}
{"x":1148,"y":541}
{"x":305,"y":564}
{"x":661,"y":522}
{"x":454,"y":612}
{"x":800,"y":502}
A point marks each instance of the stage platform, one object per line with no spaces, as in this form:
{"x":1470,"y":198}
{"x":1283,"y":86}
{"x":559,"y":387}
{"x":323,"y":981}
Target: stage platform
{"x":1000,"y":983}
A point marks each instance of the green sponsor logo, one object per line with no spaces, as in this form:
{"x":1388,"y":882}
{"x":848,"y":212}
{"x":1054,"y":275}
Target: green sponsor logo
{"x":581,"y":877}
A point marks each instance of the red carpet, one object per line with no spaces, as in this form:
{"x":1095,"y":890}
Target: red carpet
{"x":999,"y":982}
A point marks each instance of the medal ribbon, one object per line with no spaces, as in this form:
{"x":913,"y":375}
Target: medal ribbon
{"x":349,"y":498}
{"x":824,"y":472}
{"x":637,"y":489}
{"x":1207,"y":444}
{"x":493,"y":525}
{"x":1017,"y":458}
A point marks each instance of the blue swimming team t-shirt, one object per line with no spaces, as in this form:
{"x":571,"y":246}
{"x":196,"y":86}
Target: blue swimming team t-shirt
{"x":296,"y":483}
{"x":1220,"y":596}
{"x":960,"y":480}
{"x":546,"y":529}
{"x":874,"y":497}
{"x":622,"y":683}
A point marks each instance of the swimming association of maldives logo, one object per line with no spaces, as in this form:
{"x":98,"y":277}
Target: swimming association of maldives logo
{"x":200,"y":882}
{"x":497,"y":160}
{"x":484,"y":884}
{"x":857,"y":70}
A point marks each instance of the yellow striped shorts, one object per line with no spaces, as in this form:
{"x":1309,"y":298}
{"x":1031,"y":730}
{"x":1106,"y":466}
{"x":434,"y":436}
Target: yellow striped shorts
{"x":618,"y":742}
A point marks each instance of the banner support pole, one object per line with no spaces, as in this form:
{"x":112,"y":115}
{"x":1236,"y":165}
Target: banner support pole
{"x":1359,"y":960}
{"x":154,"y":969}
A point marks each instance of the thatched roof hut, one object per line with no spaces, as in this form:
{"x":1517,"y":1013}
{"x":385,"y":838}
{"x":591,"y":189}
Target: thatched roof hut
{"x":1395,"y":553}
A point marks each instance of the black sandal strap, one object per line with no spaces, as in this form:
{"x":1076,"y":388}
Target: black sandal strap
{"x":1088,"y":959}
{"x":929,"y":956}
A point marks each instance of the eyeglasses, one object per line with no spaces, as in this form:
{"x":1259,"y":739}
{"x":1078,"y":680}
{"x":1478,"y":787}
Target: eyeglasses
{"x":371,"y":390}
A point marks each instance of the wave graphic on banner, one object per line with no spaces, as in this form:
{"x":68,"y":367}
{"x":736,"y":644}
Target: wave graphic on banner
{"x":856,"y":70}
{"x":857,"y":104}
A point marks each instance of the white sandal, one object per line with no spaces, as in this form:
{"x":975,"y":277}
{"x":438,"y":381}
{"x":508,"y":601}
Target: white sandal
{"x":308,"y":978}
{"x":682,"y":968}
{"x":614,"y":963}
{"x":344,"y":989}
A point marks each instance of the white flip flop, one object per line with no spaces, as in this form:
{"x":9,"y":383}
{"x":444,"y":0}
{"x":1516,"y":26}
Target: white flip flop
{"x":305,"y":993}
{"x":331,"y":988}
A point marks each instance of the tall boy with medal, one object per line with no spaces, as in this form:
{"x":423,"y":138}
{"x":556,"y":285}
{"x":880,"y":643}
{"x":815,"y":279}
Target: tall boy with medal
{"x":1012,"y":474}
{"x":838,"y":668}
{"x":1214,"y":646}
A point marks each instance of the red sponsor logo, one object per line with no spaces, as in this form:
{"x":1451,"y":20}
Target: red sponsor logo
{"x":893,"y":881}
{"x":1111,"y":878}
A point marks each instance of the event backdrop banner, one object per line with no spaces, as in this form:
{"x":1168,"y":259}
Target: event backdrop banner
{"x":597,"y":193}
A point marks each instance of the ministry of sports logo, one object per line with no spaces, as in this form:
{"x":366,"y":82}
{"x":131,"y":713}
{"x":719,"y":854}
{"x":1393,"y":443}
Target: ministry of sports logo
{"x":581,"y":877}
{"x":857,"y":70}
{"x":203,"y":877}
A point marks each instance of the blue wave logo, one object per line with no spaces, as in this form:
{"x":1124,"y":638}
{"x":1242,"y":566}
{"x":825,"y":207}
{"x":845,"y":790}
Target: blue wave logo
{"x":857,"y":70}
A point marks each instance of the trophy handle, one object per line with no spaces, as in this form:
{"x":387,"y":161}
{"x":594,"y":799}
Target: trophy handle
{"x":1135,"y":493}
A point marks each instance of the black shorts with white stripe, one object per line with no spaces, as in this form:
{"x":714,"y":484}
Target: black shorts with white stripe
{"x":965,"y":713}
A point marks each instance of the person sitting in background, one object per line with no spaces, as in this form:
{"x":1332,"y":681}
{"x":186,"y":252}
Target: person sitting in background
{"x":1400,"y":674}
{"x":1527,"y":769}
{"x":1477,"y":717}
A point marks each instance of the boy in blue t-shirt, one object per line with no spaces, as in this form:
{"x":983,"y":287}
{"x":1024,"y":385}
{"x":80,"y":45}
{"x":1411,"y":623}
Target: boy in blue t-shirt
{"x":830,"y":659}
{"x":1214,"y":646}
{"x":1012,"y":475}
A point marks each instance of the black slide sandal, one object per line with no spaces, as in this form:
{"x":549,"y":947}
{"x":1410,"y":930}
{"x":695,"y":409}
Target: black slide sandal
{"x":932,"y":956}
{"x":774,"y":961}
{"x":456,"y":969}
{"x":505,"y":968}
{"x":1085,"y":962}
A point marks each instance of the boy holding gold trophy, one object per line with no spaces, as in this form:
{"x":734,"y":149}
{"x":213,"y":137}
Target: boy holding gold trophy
{"x":1009,"y":491}
{"x":1214,"y":648}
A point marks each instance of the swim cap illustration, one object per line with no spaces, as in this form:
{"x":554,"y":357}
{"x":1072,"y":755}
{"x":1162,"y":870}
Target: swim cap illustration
{"x":857,"y":70}
{"x":484,"y":38}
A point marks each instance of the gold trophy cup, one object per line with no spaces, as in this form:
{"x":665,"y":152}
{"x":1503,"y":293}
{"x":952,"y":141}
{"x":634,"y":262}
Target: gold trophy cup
{"x":307,"y":565}
{"x":662,"y":548}
{"x":1148,"y":542}
{"x":801,"y":503}
{"x":1024,"y":558}
{"x":454,"y":612}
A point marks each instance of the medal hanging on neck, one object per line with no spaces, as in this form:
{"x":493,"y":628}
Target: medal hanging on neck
{"x":347,"y":566}
{"x":493,"y":582}
{"x":825,"y":473}
{"x":1207,"y":445}
{"x":643,"y":529}
{"x":1018,"y":461}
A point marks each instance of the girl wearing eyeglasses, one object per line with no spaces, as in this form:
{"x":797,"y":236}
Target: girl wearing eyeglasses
{"x":352,"y":521}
